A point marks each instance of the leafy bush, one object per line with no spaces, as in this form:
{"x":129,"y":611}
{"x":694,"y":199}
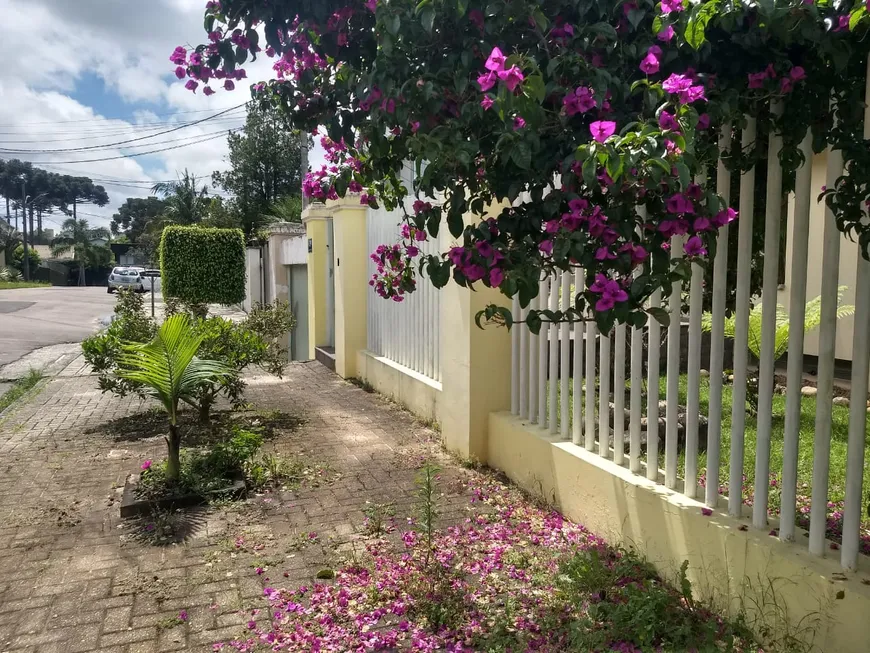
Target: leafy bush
{"x":18,"y":260}
{"x":168,"y":369}
{"x":812,"y":320}
{"x":202,"y":265}
{"x":272,"y":322}
{"x":236,"y":347}
{"x":130,"y":324}
{"x":10,"y":274}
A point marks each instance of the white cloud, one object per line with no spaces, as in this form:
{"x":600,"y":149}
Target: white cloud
{"x":48,"y":45}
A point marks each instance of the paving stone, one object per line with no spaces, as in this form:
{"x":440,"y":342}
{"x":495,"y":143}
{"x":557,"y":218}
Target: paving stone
{"x":72,"y":580}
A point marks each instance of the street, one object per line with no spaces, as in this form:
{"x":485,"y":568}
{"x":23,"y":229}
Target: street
{"x":37,"y":317}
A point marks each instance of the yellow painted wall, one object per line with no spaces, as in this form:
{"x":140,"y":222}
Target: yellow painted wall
{"x":733,"y":569}
{"x":848,"y":264}
{"x":351,"y":283}
{"x":419,"y":394}
{"x":314,"y":218}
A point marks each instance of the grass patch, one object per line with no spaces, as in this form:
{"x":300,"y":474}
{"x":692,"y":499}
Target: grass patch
{"x":20,"y":388}
{"x":11,"y":285}
{"x":839,"y":444}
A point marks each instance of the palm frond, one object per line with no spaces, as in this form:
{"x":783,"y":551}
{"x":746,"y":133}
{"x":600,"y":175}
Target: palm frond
{"x":167,"y":366}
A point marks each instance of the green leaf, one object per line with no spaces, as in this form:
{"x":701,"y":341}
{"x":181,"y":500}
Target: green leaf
{"x":685,"y":175}
{"x":427,"y":18}
{"x":535,"y":88}
{"x":533,"y":322}
{"x":393,"y":23}
{"x":540,"y":19}
{"x":521,"y":155}
{"x":660,"y":315}
{"x":696,"y":30}
{"x":241,"y":56}
{"x":326,"y":574}
{"x":856,"y":17}
{"x":461,"y":7}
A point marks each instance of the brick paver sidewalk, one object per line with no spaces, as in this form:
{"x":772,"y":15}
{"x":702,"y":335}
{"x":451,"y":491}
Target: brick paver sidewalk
{"x":74,"y":577}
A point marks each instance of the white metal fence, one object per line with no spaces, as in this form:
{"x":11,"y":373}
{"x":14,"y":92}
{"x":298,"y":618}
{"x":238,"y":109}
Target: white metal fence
{"x":405,"y":332}
{"x":572,"y":390}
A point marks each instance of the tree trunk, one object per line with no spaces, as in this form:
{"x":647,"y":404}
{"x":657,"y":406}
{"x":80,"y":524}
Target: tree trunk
{"x":205,"y":405}
{"x":39,"y":226}
{"x":81,"y":273}
{"x":30,"y":226}
{"x":173,"y":464}
{"x":8,"y":215}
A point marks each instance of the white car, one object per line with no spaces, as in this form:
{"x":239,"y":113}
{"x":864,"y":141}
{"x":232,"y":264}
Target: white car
{"x":126,"y":277}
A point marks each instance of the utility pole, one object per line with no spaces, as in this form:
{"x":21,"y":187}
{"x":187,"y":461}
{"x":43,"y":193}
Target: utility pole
{"x":25,"y":264}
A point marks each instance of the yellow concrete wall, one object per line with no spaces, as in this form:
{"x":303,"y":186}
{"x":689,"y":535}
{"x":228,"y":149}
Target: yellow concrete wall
{"x":351,"y":283}
{"x":419,"y":394}
{"x":849,"y":253}
{"x":314,"y":218}
{"x":734,"y":570}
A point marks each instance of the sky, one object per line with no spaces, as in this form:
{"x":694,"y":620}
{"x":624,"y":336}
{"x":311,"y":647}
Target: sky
{"x":85,"y":73}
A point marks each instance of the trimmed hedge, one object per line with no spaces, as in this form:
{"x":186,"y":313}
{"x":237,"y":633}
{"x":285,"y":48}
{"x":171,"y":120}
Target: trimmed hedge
{"x":203,"y":265}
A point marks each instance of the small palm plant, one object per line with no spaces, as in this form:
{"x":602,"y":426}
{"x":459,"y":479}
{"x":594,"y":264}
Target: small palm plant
{"x":812,"y":319}
{"x":169,"y":370}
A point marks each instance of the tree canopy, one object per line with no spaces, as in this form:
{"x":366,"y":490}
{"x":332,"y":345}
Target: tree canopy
{"x":265,"y":160}
{"x":604,"y":116}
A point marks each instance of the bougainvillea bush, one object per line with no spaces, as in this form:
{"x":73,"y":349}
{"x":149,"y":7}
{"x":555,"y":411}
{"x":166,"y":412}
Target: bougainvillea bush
{"x":513,"y":577}
{"x":576,"y":132}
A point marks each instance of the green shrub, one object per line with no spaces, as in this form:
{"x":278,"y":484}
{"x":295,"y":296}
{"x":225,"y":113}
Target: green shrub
{"x":202,"y":265}
{"x":130,"y":324}
{"x":167,"y":369}
{"x":272,"y":322}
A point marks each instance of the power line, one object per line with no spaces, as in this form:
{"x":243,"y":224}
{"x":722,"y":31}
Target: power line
{"x":113,"y":146}
{"x":132,"y":140}
{"x":107,"y":128}
{"x":134,"y":154}
{"x":133,"y":129}
{"x":100,"y":118}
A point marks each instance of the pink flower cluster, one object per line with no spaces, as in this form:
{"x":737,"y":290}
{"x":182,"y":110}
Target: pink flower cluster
{"x":482,"y":260}
{"x":498,"y":70}
{"x":580,"y":100}
{"x":650,"y":63}
{"x":609,"y":292}
{"x":786,"y":82}
{"x":393,"y":278}
{"x":684,"y":87}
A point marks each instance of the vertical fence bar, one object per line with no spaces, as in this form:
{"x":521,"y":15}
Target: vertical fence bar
{"x":673,"y":373}
{"x":693,"y":380}
{"x":553,"y":343}
{"x":717,"y":332}
{"x":515,"y":358}
{"x":827,"y":344}
{"x":591,"y":337}
{"x":619,"y":395}
{"x":741,"y":327}
{"x":654,"y":345}
{"x":636,"y":399}
{"x":796,"y":315}
{"x":543,"y":344}
{"x":524,"y":365}
{"x":533,"y":367}
{"x":604,"y":396}
{"x":857,"y":416}
{"x":565,"y":359}
{"x":635,"y":408}
{"x":857,"y":409}
{"x":579,"y":331}
{"x":770,"y":281}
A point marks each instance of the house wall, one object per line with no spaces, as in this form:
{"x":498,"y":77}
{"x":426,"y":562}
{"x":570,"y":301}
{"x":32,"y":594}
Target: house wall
{"x":849,"y":254}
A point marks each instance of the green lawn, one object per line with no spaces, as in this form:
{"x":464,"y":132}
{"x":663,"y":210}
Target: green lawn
{"x":839,"y":442}
{"x":10,"y":285}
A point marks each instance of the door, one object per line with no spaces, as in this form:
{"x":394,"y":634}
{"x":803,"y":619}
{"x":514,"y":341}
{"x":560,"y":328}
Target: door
{"x":297,"y":290}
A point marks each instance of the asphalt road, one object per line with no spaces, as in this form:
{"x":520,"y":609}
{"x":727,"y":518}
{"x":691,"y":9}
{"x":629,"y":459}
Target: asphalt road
{"x":37,"y":317}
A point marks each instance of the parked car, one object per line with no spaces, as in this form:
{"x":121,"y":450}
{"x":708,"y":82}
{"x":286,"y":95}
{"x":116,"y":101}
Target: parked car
{"x":150,"y":277}
{"x":126,"y":277}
